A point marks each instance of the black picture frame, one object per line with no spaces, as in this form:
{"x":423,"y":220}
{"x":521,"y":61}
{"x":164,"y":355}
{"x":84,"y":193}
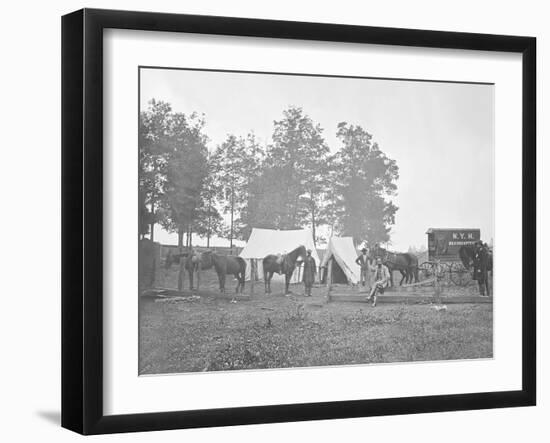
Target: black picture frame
{"x":82,"y":218}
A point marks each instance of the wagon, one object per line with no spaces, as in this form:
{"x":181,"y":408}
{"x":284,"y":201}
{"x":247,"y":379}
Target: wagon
{"x":443,"y":247}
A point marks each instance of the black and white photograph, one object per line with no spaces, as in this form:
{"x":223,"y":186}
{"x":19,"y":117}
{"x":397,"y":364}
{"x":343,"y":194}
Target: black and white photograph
{"x":300,"y":220}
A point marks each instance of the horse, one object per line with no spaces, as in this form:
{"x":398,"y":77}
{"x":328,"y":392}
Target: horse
{"x":482,"y":262}
{"x":223,"y":265}
{"x":190,"y":264}
{"x":281,"y":265}
{"x":172,"y":259}
{"x":404,"y":262}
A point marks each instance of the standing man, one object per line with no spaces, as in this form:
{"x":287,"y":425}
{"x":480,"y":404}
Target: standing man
{"x":481,"y":265}
{"x":381,"y":280}
{"x":364,"y":264}
{"x":310,"y":269}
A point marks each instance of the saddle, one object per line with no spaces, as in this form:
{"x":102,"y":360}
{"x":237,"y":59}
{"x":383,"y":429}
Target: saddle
{"x":280,"y":260}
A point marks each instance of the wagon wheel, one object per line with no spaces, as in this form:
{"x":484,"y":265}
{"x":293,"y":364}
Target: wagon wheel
{"x":426,"y":270}
{"x":459,"y":275}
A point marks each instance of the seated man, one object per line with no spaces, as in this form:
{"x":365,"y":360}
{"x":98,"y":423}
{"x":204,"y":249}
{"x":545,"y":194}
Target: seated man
{"x":381,"y":280}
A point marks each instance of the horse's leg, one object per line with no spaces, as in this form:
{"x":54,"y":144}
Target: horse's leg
{"x":403,"y":276}
{"x":198,"y":277}
{"x":265,"y":281}
{"x":220,"y":280}
{"x":287,"y":283}
{"x":190,"y":273}
{"x":243,"y":278}
{"x":238,"y":277}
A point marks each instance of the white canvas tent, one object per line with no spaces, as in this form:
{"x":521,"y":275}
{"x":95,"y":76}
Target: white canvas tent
{"x":263,"y":242}
{"x":342,"y":250}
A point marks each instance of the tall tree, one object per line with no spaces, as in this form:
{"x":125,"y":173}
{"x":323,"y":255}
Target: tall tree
{"x":298,"y":163}
{"x":250,"y":192}
{"x":364,"y":181}
{"x":187,"y":169}
{"x":209,"y":220}
{"x":240,"y":161}
{"x":153,"y":140}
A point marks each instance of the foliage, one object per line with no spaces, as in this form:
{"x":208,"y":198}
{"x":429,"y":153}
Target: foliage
{"x":153,"y":141}
{"x":187,"y":169}
{"x":363,"y":177}
{"x":295,"y":172}
{"x":240,"y":161}
{"x":291,"y":183}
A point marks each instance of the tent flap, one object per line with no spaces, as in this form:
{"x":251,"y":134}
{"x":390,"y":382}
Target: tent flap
{"x":345,"y":254}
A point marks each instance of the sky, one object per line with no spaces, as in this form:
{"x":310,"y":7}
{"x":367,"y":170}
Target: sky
{"x":440,"y":134}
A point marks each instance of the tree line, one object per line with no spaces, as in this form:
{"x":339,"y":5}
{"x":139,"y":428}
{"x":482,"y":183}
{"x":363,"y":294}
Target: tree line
{"x":292,"y":182}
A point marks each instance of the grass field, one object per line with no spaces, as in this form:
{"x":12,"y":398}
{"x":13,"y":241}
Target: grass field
{"x":209,"y":333}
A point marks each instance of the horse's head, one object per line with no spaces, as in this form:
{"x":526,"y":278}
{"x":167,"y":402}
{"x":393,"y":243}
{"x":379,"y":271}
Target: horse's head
{"x":168,"y":260}
{"x":302,"y":252}
{"x":466,"y":256}
{"x":171,"y":259}
{"x":378,"y":252}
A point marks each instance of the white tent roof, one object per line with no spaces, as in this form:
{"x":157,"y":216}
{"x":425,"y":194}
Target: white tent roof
{"x":345,"y":254}
{"x":263,"y":242}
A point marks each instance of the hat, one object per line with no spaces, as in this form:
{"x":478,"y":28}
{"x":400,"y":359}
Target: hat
{"x":309,"y":251}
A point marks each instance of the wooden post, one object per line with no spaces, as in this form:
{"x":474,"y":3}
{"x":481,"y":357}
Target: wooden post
{"x":437,"y":282}
{"x":198,"y":275}
{"x":252,"y":274}
{"x":181,"y":273}
{"x":329,"y":278}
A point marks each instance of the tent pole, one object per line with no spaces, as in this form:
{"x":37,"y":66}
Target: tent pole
{"x":329,"y":278}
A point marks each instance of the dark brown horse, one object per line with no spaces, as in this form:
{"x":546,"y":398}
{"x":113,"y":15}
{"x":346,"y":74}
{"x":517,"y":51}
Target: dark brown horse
{"x":190,"y":264}
{"x":281,"y":265}
{"x":223,"y":265}
{"x":404,"y":262}
{"x":481,"y":259}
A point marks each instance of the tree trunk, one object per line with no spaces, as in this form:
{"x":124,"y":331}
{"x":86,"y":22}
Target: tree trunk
{"x":209,"y":221}
{"x":152,"y":225}
{"x":232,"y":209}
{"x":180,"y":237}
{"x":153,"y":197}
{"x":313,"y":224}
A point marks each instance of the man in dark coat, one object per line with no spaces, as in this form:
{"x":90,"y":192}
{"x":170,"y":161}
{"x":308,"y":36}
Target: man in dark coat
{"x":364,"y":264}
{"x":481,"y":266}
{"x":310,"y":269}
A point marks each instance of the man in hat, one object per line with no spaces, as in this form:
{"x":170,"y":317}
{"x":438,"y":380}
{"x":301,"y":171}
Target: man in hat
{"x":381,"y":280}
{"x":364,"y":264}
{"x":481,"y":266}
{"x":310,"y":269}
